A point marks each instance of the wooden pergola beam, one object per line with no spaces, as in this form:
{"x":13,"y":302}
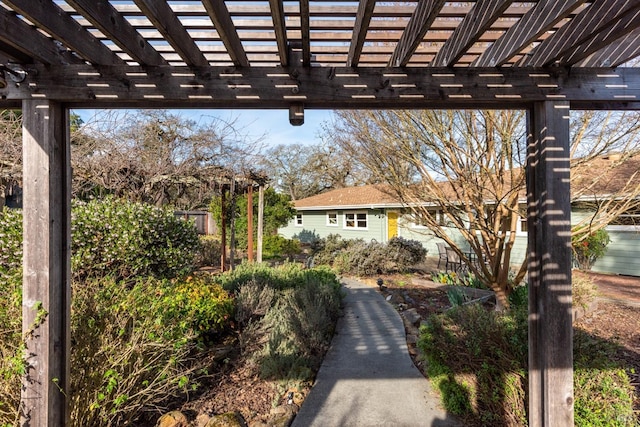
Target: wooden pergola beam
{"x":29,"y":43}
{"x":52,"y":19}
{"x":315,"y":87}
{"x":107,"y":19}
{"x":163,"y":18}
{"x":625,"y":50}
{"x":425,"y":14}
{"x":575,"y":32}
{"x":221,"y":19}
{"x":305,"y":33}
{"x":539,"y":19}
{"x":360,"y":28}
{"x":46,"y":292}
{"x":549,"y":245}
{"x":474,"y":24}
{"x":279,"y":26}
{"x":623,"y":25}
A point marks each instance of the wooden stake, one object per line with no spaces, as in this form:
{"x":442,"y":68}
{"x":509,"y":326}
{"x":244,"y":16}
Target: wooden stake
{"x":260,"y":220}
{"x":250,"y":223}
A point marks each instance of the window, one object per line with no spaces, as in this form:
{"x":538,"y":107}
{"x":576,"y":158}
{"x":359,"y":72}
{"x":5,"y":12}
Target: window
{"x":332,"y":219}
{"x":356,"y":220}
{"x":299,"y":220}
{"x":523,"y":220}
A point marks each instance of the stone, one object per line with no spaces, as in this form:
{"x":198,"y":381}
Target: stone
{"x":173,"y":419}
{"x":228,"y":419}
{"x":412,"y":339}
{"x":202,"y":420}
{"x":282,"y":416}
{"x":412,"y":316}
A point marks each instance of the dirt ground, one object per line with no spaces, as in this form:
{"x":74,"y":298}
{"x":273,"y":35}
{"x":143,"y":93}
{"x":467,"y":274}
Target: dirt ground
{"x":616,"y":317}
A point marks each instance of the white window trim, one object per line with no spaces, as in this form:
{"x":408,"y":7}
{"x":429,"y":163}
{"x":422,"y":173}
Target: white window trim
{"x":355,"y":214}
{"x":295,"y":220}
{"x":337,"y":223}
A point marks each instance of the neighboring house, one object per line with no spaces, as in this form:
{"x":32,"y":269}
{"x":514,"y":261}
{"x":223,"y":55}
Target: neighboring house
{"x":371,"y":213}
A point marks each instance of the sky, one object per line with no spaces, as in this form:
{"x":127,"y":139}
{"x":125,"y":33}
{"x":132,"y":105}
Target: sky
{"x":272,"y":123}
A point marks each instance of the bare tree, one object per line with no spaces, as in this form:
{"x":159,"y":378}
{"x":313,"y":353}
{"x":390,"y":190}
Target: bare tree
{"x":305,"y":170}
{"x":463,"y":171}
{"x":158,"y":157}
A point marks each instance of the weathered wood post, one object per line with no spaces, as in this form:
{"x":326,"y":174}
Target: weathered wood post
{"x":549,"y":239}
{"x":260,"y":221}
{"x":250,"y":222}
{"x":46,"y":294}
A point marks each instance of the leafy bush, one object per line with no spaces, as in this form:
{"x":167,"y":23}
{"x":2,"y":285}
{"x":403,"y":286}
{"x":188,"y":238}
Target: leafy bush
{"x":478,"y":360}
{"x":406,"y":253}
{"x":278,"y":246}
{"x":589,"y":246}
{"x":365,"y":259}
{"x":10,"y":240}
{"x":286,"y":276}
{"x":11,"y":362}
{"x":123,"y":239}
{"x":134,"y":348}
{"x":298,"y":330}
{"x":210,"y":251}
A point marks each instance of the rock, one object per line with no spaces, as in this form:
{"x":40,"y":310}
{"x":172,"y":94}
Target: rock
{"x":229,"y":419}
{"x":173,"y":419}
{"x":412,"y":316}
{"x":282,"y":416}
{"x":202,"y":420}
{"x":388,"y":298}
{"x":412,"y":339}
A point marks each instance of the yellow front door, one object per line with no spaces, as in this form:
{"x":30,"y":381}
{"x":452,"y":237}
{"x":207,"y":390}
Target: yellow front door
{"x":392,"y":224}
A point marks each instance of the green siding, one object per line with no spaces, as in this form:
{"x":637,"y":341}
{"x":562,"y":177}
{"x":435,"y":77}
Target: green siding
{"x":623,"y":253}
{"x":314,"y":225}
{"x":622,"y":257}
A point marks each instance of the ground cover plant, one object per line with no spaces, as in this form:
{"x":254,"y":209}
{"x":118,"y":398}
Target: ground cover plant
{"x":477,"y":359}
{"x":142,"y":343}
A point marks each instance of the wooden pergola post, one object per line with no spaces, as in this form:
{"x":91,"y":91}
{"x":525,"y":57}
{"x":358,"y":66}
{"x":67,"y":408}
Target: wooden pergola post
{"x":250,"y":222}
{"x":46,"y":295}
{"x":549,"y":240}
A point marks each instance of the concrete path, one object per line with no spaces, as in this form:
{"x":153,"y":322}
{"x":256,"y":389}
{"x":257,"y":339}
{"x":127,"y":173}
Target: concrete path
{"x":367,"y":377}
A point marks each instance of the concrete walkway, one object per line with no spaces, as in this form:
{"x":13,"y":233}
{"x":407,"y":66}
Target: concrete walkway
{"x":367,"y":377}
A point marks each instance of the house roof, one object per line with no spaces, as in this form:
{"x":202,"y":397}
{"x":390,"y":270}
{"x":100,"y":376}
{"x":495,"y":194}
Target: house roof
{"x":367,"y":196}
{"x":602,"y":176}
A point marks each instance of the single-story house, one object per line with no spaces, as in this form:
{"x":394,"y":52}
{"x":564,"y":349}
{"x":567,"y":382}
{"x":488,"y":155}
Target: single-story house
{"x":370,"y":212}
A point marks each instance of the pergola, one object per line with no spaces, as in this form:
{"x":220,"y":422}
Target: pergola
{"x":545,"y":56}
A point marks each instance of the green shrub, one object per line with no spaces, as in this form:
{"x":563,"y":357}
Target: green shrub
{"x":589,"y":246}
{"x":122,"y":239}
{"x":210,"y":251}
{"x":478,"y":360}
{"x":298,"y":330}
{"x":10,"y":240}
{"x":405,"y":253}
{"x":366,"y":259}
{"x":278,"y":246}
{"x":285,"y":276}
{"x":11,"y":362}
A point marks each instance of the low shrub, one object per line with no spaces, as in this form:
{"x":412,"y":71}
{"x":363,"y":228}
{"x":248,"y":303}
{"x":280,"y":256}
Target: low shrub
{"x":11,"y":361}
{"x":285,"y":276}
{"x":298,"y":329}
{"x":276,"y":246}
{"x":477,"y":359}
{"x":10,"y":240}
{"x":210,"y":251}
{"x":133,"y":348}
{"x":366,"y":259}
{"x":589,"y":246}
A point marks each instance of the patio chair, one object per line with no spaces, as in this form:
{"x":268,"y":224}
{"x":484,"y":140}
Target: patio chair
{"x":442,"y":253}
{"x":453,"y":260}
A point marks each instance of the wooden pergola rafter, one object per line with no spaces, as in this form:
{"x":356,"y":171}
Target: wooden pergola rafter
{"x":545,"y":56}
